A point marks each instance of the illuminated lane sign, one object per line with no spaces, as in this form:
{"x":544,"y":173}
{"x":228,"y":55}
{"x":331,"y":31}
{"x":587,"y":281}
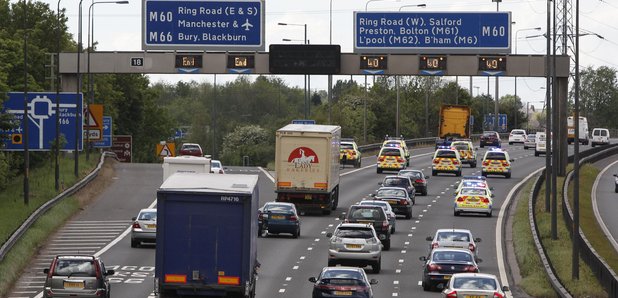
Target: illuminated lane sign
{"x":188,"y":61}
{"x":240,"y":61}
{"x":432,"y":63}
{"x":492,"y":63}
{"x":434,"y":32}
{"x":203,"y":25}
{"x":373,"y":62}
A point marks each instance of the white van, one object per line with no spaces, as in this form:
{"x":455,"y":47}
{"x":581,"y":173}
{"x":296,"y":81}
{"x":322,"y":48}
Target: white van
{"x":584,"y":136}
{"x":600,"y":136}
{"x":541,"y":143}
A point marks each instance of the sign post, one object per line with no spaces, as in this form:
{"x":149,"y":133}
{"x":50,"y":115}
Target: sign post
{"x":432,"y":32}
{"x":203,"y":25}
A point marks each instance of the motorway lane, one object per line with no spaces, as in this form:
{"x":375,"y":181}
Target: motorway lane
{"x":606,"y":198}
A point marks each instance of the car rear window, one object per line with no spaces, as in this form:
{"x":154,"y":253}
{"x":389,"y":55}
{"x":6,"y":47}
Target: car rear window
{"x":517,"y":132}
{"x":279,"y":208}
{"x":412,"y":174}
{"x":489,"y":134}
{"x":74,"y":267}
{"x":473,"y":192}
{"x":457,"y":256}
{"x":531,"y":137}
{"x":366,"y":213}
{"x":446,"y":154}
{"x":475,"y":283}
{"x":346,"y":146}
{"x":395,"y":182}
{"x":453,"y":236}
{"x":390,"y":152}
{"x":354,"y":232}
{"x":495,"y":156}
{"x":342,"y":282}
{"x":461,"y":147}
{"x":148,"y":215}
{"x":342,"y":274}
{"x":391,"y":193}
{"x":190,"y":147}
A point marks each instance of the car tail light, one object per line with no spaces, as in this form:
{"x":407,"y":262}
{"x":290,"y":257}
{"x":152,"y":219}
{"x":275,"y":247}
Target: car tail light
{"x":220,"y":171}
{"x":471,"y":269}
{"x":136,"y":225}
{"x":452,"y":294}
{"x":505,"y":163}
{"x":436,"y":161}
{"x":399,"y":159}
{"x":498,"y":295}
{"x":353,"y":153}
{"x":471,"y":247}
{"x":51,"y":269}
{"x":385,"y":224}
{"x":96,"y":267}
{"x":486,"y":162}
{"x":381,"y":158}
{"x":433,"y":268}
{"x":435,"y":245}
{"x":460,"y":199}
{"x":403,"y":202}
{"x":293,"y":218}
{"x":485,"y":200}
{"x":455,"y":162}
{"x":418,"y":181}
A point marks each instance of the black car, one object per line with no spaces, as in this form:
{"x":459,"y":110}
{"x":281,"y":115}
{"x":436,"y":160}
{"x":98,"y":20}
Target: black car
{"x":490,"y":138}
{"x":419,"y":180}
{"x":375,"y":216}
{"x":277,"y":218}
{"x":398,"y":198}
{"x":400,"y":181}
{"x":442,"y":263}
{"x":77,"y":276}
{"x":342,"y":282}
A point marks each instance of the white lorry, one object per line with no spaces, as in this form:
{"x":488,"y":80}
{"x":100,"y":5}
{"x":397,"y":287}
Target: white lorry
{"x":185,"y":164}
{"x":307,"y":166}
{"x":584,"y":136}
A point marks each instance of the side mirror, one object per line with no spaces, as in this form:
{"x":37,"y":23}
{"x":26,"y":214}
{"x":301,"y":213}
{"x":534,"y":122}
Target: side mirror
{"x":511,"y":160}
{"x":493,"y":195}
{"x":429,"y":238}
{"x":491,"y":188}
{"x":426,"y":177}
{"x":312,"y":279}
{"x":134,"y":218}
{"x":479,"y":260}
{"x":505,"y":289}
{"x":373,"y":282}
{"x":46,"y":271}
{"x":423,"y":258}
{"x":380,"y":183}
{"x":110,"y":272}
{"x":329,"y":235}
{"x":372,"y":195}
{"x":615,"y":175}
{"x":477,"y":239}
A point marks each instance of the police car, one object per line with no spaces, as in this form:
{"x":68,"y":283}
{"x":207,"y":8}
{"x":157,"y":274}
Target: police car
{"x":398,"y":143}
{"x":349,"y":153}
{"x":466,"y":152}
{"x":497,"y":162}
{"x":473,"y":200}
{"x":468,"y":181}
{"x":446,"y":160}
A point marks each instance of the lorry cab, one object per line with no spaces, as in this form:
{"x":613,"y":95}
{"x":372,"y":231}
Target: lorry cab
{"x":391,"y":158}
{"x":600,"y":136}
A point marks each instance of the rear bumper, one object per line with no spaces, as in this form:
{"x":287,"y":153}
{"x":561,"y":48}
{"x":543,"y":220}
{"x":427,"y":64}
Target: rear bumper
{"x":202,"y":290}
{"x":281,"y":228}
{"x":401,"y":210}
{"x":473,"y":210}
{"x":144,"y":236}
{"x":355,"y":258}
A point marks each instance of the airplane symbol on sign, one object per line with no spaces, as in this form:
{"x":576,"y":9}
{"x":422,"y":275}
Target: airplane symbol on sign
{"x":247,"y":25}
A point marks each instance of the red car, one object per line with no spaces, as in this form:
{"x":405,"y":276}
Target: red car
{"x":191,"y":149}
{"x":491,"y":138}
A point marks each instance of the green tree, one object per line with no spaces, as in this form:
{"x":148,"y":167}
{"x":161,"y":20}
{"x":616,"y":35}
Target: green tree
{"x":248,"y":141}
{"x":599,"y":96}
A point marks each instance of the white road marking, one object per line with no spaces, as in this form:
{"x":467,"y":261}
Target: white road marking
{"x":295,"y":268}
{"x":398,"y":271}
{"x":407,"y":243}
{"x":317,"y":239}
{"x":309,"y":248}
{"x":288,"y":278}
{"x":418,"y":221}
{"x":409,"y":235}
{"x":395,"y":294}
{"x":302,"y":257}
{"x":420,"y":215}
{"x":268,"y":175}
{"x":433,"y":201}
{"x":281,"y":290}
{"x":395,"y":282}
{"x":420,"y":283}
{"x":413,"y":228}
{"x":403,"y":251}
{"x":429,"y":205}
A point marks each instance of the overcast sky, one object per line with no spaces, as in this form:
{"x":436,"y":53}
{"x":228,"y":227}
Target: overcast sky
{"x":118,"y":28}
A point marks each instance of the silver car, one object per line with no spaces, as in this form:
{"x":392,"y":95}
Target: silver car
{"x":455,"y":238}
{"x":530,"y":141}
{"x":392,"y":218}
{"x":356,"y":245}
{"x":77,"y":276}
{"x":474,"y":285}
{"x":144,"y":228}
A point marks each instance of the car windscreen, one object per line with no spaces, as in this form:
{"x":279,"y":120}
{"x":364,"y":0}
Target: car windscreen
{"x":382,"y":204}
{"x":390,"y":152}
{"x":495,"y":156}
{"x":391,"y":193}
{"x":474,"y":283}
{"x":446,"y":154}
{"x":148,"y":215}
{"x":74,"y":267}
{"x":354,"y":232}
{"x":453,"y":236}
{"x":366,"y":213}
{"x":473,"y":192}
{"x":451,"y":256}
{"x":216,"y":164}
{"x":346,"y":146}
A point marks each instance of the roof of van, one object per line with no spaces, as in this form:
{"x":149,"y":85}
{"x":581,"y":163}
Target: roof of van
{"x":310,"y":128}
{"x":206,"y":182}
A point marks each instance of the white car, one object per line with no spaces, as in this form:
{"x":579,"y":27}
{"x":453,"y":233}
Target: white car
{"x":530,"y":141}
{"x":144,"y":227}
{"x":216,"y":167}
{"x":600,"y":136}
{"x":474,"y":285}
{"x":355,"y":244}
{"x":540,"y":146}
{"x":455,"y":238}
{"x":517,"y":136}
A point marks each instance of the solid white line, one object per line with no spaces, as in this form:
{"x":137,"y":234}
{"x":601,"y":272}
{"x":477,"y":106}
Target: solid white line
{"x":595,"y":207}
{"x":499,"y":253}
{"x":267,"y":174}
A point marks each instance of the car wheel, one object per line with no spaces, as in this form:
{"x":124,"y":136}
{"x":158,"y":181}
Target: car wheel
{"x":260,"y":232}
{"x":409,"y":215}
{"x":379,"y":171}
{"x":525,"y":148}
{"x":134,"y":243}
{"x":510,"y":143}
{"x":458,"y":174}
{"x":455,"y":213}
{"x":536,"y":153}
{"x":473,"y":164}
{"x":326,"y":212}
{"x":332,"y":263}
{"x":433,"y":173}
{"x":424,"y":193}
{"x":387,"y":244}
{"x":507,"y":175}
{"x":616,"y":188}
{"x":483,"y":174}
{"x":296,"y":233}
{"x":393,"y":230}
{"x":490,"y":213}
{"x":482,"y":146}
{"x":377,"y":266}
{"x":358,"y":164}
{"x":592,"y":145}
{"x":426,"y":286}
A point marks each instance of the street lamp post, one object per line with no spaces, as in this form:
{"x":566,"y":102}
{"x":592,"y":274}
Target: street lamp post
{"x":78,"y":109}
{"x":516,"y":34}
{"x":307,"y":78}
{"x":57,"y":147}
{"x":90,"y":79}
{"x":330,"y":76}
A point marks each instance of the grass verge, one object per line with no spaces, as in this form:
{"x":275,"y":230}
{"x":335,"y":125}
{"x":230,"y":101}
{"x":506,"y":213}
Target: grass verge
{"x":13,"y":212}
{"x":588,"y":221}
{"x":560,"y":251}
{"x":534,"y":281}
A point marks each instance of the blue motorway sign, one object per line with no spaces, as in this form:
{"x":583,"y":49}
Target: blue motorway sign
{"x":432,"y":32}
{"x":203,"y":25}
{"x":106,"y":139}
{"x":42,"y":115}
{"x":502,"y":123}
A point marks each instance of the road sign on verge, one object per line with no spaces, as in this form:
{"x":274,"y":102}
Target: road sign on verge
{"x":435,"y":32}
{"x":123,"y":147}
{"x":166,"y":150}
{"x":42,"y":115}
{"x":203,"y":25}
{"x":106,"y":141}
{"x":502,"y":123}
{"x":94,"y":124}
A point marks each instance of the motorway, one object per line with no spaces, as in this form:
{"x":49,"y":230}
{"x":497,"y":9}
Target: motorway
{"x":287,"y":263}
{"x":606,"y":199}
